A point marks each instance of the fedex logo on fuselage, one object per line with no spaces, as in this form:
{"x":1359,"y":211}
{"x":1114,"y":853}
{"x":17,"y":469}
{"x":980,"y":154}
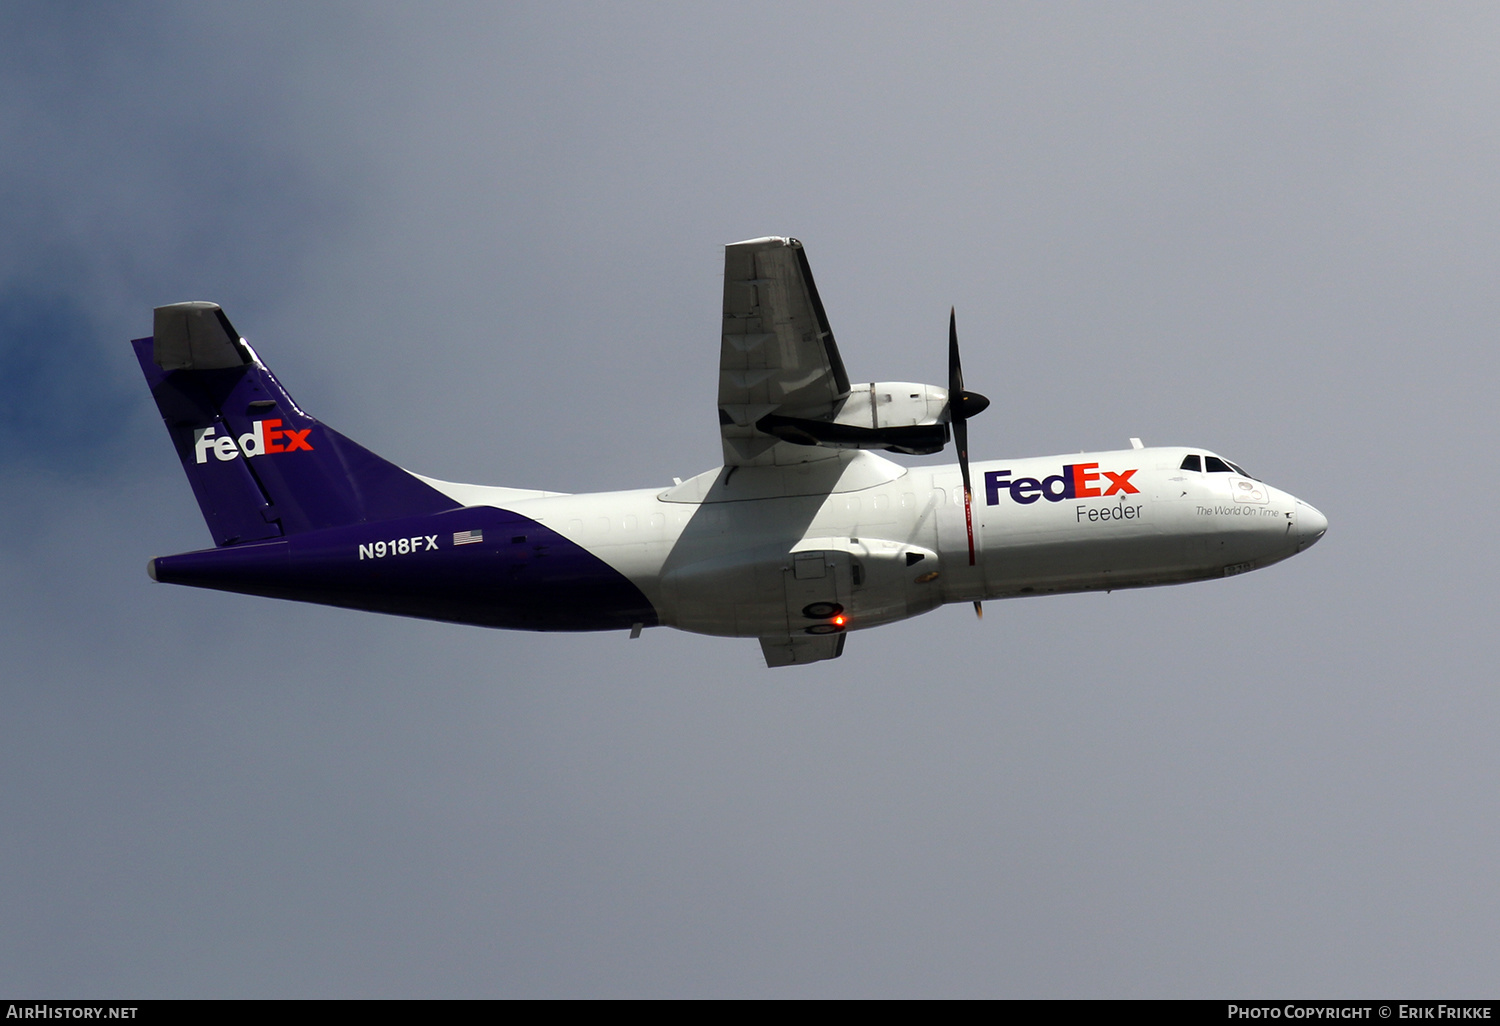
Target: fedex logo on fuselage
{"x":264,"y":436}
{"x":1077,"y":481}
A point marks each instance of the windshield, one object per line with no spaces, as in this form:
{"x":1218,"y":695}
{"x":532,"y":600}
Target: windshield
{"x":1215,"y":465}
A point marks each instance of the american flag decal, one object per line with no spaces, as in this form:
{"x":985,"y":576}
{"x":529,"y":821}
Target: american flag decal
{"x":467,"y":537}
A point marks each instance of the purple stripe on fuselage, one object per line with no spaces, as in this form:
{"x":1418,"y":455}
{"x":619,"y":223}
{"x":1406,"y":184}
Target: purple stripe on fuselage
{"x":517,"y":574}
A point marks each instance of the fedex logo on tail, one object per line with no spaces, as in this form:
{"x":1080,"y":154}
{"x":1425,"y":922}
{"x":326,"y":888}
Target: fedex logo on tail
{"x":264,"y":436}
{"x":1077,"y":481}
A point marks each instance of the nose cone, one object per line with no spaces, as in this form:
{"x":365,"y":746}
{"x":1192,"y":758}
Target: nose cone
{"x":1311,"y":525}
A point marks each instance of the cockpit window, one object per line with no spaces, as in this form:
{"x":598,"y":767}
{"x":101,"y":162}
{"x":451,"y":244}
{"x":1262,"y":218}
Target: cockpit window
{"x":1214,"y":465}
{"x":1241,"y":470}
{"x":1191,"y":463}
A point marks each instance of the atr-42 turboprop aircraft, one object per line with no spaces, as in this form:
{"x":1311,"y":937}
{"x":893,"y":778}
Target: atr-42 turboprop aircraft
{"x":803,"y":535}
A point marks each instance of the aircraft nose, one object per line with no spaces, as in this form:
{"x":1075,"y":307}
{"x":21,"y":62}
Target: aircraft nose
{"x":1311,"y":525}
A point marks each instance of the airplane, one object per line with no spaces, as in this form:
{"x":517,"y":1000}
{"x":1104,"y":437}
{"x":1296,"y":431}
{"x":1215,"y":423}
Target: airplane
{"x":805,"y":534}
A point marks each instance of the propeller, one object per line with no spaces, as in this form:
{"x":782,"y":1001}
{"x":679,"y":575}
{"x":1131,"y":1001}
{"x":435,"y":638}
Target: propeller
{"x":961,"y":406}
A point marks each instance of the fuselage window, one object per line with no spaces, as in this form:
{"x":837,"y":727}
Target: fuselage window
{"x":1191,"y":463}
{"x":1214,"y":465}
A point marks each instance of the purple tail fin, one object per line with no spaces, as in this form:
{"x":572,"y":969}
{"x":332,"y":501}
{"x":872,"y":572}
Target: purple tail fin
{"x":259,"y":466}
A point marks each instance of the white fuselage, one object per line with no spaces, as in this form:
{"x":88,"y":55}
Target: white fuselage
{"x":745,"y":551}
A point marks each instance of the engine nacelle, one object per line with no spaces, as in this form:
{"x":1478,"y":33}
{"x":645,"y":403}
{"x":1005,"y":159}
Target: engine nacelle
{"x":897,"y":416}
{"x":772,"y":592}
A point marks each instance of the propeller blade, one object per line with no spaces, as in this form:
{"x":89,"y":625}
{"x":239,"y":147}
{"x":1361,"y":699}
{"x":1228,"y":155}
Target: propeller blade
{"x":955,"y":366}
{"x":961,"y":443}
{"x":979,"y":609}
{"x":961,"y":437}
{"x":958,"y":416}
{"x":961,"y":404}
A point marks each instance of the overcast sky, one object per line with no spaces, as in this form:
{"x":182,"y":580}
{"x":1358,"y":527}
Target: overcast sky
{"x":485,"y":241}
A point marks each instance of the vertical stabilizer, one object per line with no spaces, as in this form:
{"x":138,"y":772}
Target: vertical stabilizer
{"x":259,"y":466}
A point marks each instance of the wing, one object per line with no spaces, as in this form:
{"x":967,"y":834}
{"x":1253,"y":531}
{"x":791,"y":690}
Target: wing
{"x":777,"y":353}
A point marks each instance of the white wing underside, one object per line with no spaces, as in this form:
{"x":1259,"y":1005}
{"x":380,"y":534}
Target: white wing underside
{"x":777,"y":353}
{"x":777,"y":356}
